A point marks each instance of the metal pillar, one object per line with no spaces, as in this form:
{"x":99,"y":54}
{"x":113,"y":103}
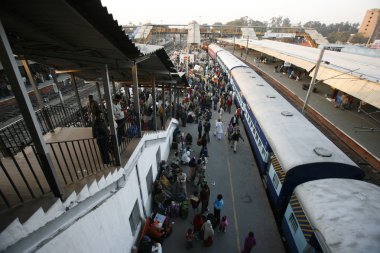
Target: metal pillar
{"x":154,"y":103}
{"x":23,"y":101}
{"x":78,"y":97}
{"x":99,"y":92}
{"x":59,"y":91}
{"x":246,"y":49}
{"x":170,"y":101}
{"x":233,"y":51}
{"x":113,"y":87}
{"x":136,"y":97}
{"x":33,"y":83}
{"x":174,"y":103}
{"x":312,"y":82}
{"x":163,"y":105}
{"x":107,"y":97}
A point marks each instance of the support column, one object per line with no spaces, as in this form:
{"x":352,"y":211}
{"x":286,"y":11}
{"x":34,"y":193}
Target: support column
{"x":178,"y":91}
{"x":99,"y":92}
{"x":136,"y":98}
{"x":73,"y":81}
{"x":113,"y":87}
{"x":163,"y":105}
{"x":154,"y":103}
{"x":107,"y":97}
{"x":246,"y":49}
{"x":233,"y":51}
{"x":174,"y":103}
{"x":23,"y":101}
{"x":312,"y":82}
{"x":170,"y":101}
{"x":33,"y":83}
{"x":55,"y":79}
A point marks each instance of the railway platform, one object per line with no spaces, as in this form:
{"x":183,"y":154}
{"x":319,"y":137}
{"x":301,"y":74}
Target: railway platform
{"x":236,"y":177}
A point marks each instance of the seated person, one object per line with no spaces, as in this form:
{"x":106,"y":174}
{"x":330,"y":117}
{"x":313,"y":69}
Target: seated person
{"x":189,"y":139}
{"x":156,"y":248}
{"x":185,"y":157}
{"x":176,"y":159}
{"x":145,"y":245}
{"x":149,"y":246}
{"x":156,"y":232}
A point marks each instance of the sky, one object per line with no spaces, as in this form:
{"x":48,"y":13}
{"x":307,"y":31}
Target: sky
{"x":211,"y":11}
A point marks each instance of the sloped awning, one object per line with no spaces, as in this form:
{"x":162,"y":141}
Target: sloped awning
{"x":160,"y":65}
{"x":77,"y":35}
{"x":355,"y":75}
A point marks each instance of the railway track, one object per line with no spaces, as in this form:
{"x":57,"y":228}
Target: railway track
{"x":369,"y":164}
{"x":10,"y":113}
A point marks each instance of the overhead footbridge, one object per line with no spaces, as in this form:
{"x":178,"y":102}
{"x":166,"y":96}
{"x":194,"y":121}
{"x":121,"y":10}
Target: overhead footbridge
{"x":144,"y":34}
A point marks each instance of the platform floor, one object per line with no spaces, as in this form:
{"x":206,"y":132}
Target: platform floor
{"x":236,"y":177}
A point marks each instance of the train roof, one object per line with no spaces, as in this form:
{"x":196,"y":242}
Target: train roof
{"x":229,"y":60}
{"x":344,"y":213}
{"x":213,"y":49}
{"x":283,"y":125}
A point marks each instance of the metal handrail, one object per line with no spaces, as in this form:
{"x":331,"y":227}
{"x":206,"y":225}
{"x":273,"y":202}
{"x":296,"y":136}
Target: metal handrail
{"x":16,"y":134}
{"x":22,"y":176}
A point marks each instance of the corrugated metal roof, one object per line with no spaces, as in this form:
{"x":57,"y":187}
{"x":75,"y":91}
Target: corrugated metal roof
{"x":362,"y":72}
{"x":80,"y":35}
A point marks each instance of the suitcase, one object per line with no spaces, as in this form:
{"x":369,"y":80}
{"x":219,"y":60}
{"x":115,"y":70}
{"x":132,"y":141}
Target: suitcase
{"x":184,"y":209}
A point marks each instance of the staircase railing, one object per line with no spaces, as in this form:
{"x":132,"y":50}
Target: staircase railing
{"x":22,"y":177}
{"x":16,"y":134}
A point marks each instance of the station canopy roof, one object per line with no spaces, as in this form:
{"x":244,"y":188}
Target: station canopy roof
{"x":356,"y":75}
{"x":80,"y":36}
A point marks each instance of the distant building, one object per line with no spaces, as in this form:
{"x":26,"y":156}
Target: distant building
{"x":370,"y":24}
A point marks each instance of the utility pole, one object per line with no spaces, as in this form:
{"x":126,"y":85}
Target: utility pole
{"x":233,"y":51}
{"x":246,"y":49}
{"x":312,"y":82}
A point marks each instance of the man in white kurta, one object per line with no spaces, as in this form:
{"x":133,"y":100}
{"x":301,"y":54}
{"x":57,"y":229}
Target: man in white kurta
{"x":219,"y":129}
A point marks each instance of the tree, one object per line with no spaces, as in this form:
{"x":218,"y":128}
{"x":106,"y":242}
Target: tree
{"x":358,"y":39}
{"x":286,"y":22}
{"x":217,"y":26}
{"x":338,"y":36}
{"x":276,"y":21}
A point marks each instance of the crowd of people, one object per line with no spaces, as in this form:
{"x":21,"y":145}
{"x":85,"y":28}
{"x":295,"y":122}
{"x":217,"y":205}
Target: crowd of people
{"x":182,"y":180}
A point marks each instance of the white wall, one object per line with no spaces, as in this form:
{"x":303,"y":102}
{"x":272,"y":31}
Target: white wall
{"x":100,"y":223}
{"x":104,"y":228}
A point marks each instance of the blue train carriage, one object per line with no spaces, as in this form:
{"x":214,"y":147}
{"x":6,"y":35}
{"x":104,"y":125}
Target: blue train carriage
{"x":289,"y":149}
{"x":213,"y":49}
{"x":245,"y":81}
{"x":333,"y":215}
{"x":228,"y":62}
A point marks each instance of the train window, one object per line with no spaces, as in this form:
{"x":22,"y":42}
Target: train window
{"x":293,"y":222}
{"x":275,"y":181}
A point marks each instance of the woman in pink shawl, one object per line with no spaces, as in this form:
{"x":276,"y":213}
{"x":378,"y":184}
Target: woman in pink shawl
{"x":249,"y":243}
